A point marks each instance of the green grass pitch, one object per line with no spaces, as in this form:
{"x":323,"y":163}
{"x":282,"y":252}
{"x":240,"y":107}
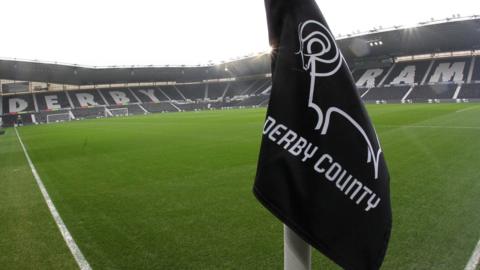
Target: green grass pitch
{"x":173,"y":191}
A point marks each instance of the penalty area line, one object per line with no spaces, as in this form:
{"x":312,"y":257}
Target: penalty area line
{"x":474,"y":261}
{"x":74,"y":249}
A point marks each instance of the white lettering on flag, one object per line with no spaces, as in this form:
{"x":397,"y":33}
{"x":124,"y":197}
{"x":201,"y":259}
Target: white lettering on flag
{"x":326,"y":165}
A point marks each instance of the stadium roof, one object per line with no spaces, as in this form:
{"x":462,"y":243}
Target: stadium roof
{"x":460,"y":34}
{"x":78,"y":75}
{"x":456,"y":34}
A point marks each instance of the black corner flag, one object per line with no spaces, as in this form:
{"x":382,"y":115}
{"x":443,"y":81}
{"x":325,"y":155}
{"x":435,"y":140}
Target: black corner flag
{"x":321,"y":168}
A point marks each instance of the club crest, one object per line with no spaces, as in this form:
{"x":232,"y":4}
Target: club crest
{"x":321,"y":58}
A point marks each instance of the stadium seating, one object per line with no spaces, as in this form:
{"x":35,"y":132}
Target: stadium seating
{"x":386,"y":93}
{"x":18,"y":104}
{"x":435,"y":71}
{"x":86,"y":98}
{"x":246,"y":88}
{"x":470,"y":91}
{"x":426,"y":92}
{"x":402,"y":73}
{"x":366,"y":78}
{"x":120,"y":96}
{"x":362,"y":91}
{"x":193,"y":91}
{"x":449,"y":70}
{"x":52,"y":101}
{"x":238,"y":88}
{"x":476,"y":72}
{"x":216,"y":90}
{"x":150,"y":95}
{"x":171,"y":92}
{"x":257,"y":87}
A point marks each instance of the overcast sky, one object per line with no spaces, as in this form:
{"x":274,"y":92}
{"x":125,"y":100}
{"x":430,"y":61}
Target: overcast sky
{"x":159,"y":32}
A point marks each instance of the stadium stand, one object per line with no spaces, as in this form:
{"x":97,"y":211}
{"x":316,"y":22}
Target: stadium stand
{"x":216,"y":90}
{"x":85,"y":98}
{"x":408,"y":73}
{"x":470,"y":91}
{"x":428,"y":92}
{"x":238,"y":88}
{"x":422,"y":80}
{"x":476,"y":71}
{"x":247,"y":87}
{"x":120,"y":96}
{"x":52,"y":101}
{"x":449,"y":70}
{"x":171,"y":92}
{"x":432,"y":79}
{"x":434,"y":64}
{"x":386,"y":93}
{"x":262,"y":87}
{"x":367,"y":78}
{"x":148,"y":95}
{"x":193,"y":91}
{"x":18,"y":104}
{"x":362,"y":91}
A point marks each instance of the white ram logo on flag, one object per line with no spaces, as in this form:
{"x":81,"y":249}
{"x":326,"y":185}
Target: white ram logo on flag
{"x":322,"y":58}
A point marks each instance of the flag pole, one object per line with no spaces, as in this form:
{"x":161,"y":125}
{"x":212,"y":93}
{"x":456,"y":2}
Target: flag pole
{"x":296,"y":252}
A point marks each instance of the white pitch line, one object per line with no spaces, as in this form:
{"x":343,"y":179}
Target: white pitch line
{"x":468,"y":109}
{"x":474,"y":261}
{"x":77,"y":254}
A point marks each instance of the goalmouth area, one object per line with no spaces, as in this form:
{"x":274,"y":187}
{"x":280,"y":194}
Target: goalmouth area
{"x":173,"y":191}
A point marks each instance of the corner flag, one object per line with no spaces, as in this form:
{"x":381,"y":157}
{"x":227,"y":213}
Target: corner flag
{"x":321,"y":169}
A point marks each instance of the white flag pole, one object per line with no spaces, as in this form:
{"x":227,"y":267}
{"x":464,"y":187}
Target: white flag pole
{"x":296,"y":252}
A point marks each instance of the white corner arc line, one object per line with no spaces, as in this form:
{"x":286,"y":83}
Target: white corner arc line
{"x":474,"y":261}
{"x":74,"y":249}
